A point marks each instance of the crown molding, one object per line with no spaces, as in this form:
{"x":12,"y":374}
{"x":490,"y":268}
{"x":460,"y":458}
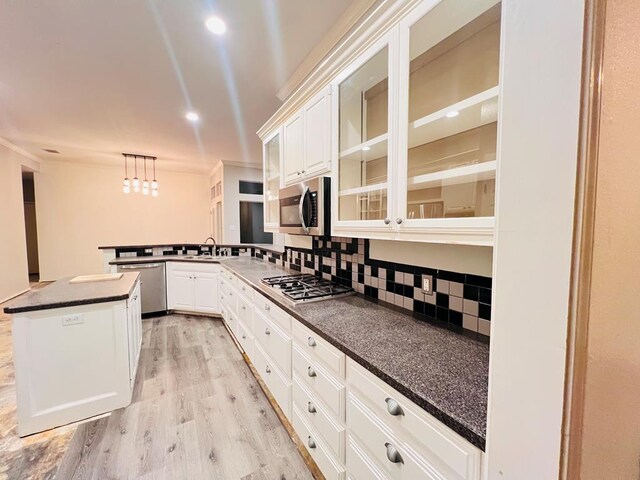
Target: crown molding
{"x":31,"y":161}
{"x":378,"y":20}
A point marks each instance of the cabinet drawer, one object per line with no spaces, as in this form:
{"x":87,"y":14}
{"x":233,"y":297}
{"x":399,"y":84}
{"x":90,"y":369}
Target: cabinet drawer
{"x":232,"y":299}
{"x":275,"y":342}
{"x":319,"y":349}
{"x":450,"y":454}
{"x":322,"y":384}
{"x":245,"y":311}
{"x":275,"y":313}
{"x":245,"y":338}
{"x":330,"y":467}
{"x":398,"y":460}
{"x":317,"y":416}
{"x":245,"y":290}
{"x":279,"y":386}
{"x":359,"y":465}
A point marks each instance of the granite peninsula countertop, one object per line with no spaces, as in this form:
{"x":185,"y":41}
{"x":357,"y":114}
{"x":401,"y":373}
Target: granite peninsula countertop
{"x":444,"y":372}
{"x":61,"y":294}
{"x":262,"y":246}
{"x":165,"y":258}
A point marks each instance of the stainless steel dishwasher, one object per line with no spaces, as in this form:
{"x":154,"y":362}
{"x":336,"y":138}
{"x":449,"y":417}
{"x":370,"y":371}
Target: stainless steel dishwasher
{"x":153,"y":287}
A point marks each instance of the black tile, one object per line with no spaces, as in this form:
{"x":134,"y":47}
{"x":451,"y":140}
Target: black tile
{"x":484,"y":295}
{"x":451,"y":276}
{"x":401,"y":267}
{"x":418,"y":306}
{"x":478,"y":281}
{"x":442,"y":314}
{"x":455,"y":318}
{"x":398,"y":288}
{"x":361,"y":278}
{"x":470,"y":292}
{"x":417,"y":280}
{"x":391,"y":286}
{"x":272,"y":260}
{"x":408,"y":291}
{"x":295,"y":268}
{"x":360,"y":268}
{"x":484,"y":311}
{"x":374,"y":271}
{"x":442,"y":300}
{"x":326,"y":268}
{"x":430,"y":310}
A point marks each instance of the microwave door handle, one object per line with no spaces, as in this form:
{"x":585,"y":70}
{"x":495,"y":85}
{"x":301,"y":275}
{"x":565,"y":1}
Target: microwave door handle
{"x":301,"y":209}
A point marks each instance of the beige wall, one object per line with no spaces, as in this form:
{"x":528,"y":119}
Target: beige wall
{"x":611,"y":428}
{"x":14,"y":276}
{"x":80,"y":207}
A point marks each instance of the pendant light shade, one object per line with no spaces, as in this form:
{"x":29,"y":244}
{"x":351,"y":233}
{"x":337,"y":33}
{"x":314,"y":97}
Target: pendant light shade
{"x":126,"y":183}
{"x":145,"y":185}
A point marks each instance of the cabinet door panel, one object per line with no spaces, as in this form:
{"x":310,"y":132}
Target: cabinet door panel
{"x":206,"y":293}
{"x":293,"y":149}
{"x":317,"y":135}
{"x":180,"y":291}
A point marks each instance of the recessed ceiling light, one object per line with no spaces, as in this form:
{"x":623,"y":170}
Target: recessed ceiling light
{"x":453,"y":113}
{"x":192,"y":116}
{"x":216,"y":25}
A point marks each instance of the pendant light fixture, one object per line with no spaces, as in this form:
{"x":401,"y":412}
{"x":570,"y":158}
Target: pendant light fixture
{"x":126,"y":184}
{"x":147,"y":187}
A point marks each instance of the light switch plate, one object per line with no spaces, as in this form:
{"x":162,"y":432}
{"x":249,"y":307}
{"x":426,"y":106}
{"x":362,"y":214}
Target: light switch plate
{"x":427,"y":284}
{"x":74,"y":319}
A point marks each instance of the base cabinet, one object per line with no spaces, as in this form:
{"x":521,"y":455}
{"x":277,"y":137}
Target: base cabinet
{"x":193,"y":287}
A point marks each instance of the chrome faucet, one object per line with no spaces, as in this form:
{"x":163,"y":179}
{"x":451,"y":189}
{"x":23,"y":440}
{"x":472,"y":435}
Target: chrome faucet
{"x":213,"y":250}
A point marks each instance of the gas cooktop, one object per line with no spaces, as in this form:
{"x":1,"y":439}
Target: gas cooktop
{"x":304,"y":288}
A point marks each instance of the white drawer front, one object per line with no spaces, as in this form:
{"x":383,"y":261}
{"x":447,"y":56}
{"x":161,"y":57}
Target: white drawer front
{"x":315,"y":414}
{"x":278,"y":385}
{"x":447,"y":451}
{"x":245,"y":338}
{"x":245,"y":311}
{"x":323,"y":385}
{"x":397,"y":460}
{"x":232,"y":300}
{"x":329,"y":466}
{"x":359,"y":465}
{"x":193,"y":267}
{"x":319,"y":349}
{"x":276,"y":343}
{"x":232,"y":322}
{"x":275,"y":313}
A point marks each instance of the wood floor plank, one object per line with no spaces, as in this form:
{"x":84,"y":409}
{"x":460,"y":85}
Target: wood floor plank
{"x":197,"y":413}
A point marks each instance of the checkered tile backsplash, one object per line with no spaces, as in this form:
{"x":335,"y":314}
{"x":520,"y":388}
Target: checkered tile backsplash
{"x":458,"y":299}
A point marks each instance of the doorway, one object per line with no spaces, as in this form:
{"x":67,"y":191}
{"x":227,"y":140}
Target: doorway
{"x":252,"y":224}
{"x":31,"y":227}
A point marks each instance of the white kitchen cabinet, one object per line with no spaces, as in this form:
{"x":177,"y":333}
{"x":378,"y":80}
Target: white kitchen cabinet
{"x":307,"y":140}
{"x":272,"y":171}
{"x":193,"y":287}
{"x":134,"y":327}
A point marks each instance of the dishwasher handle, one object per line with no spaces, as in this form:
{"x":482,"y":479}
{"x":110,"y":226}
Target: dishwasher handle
{"x":139,"y":266}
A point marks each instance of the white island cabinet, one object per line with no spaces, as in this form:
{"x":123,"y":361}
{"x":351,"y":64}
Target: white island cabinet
{"x":76,"y":350}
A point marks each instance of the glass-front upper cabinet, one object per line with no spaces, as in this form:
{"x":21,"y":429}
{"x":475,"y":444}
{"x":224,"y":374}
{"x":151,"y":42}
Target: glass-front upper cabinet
{"x":361,"y":171}
{"x":272,"y":166}
{"x":449,"y":66}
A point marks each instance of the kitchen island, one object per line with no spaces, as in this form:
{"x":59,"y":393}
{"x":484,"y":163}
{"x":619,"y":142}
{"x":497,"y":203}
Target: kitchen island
{"x":76,"y":350}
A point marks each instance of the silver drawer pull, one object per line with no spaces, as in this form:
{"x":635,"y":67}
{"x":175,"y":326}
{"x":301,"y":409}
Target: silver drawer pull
{"x":243,"y":288}
{"x":231,"y":294}
{"x":311,"y":442}
{"x":267,"y":307}
{"x":244,"y":337}
{"x":311,"y":372}
{"x":311,"y":342}
{"x":393,"y":454}
{"x":311,"y":407}
{"x":393,"y":407}
{"x":268,"y":370}
{"x":267,"y":331}
{"x":243,"y":307}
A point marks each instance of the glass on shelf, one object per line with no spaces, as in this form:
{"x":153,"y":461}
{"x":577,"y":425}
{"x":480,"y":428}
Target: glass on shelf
{"x":363,"y":146}
{"x":453,"y":110}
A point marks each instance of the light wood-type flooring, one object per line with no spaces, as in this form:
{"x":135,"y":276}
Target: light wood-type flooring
{"x":197,"y":413}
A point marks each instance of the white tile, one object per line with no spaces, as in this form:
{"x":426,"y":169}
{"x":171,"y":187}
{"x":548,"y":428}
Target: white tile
{"x":399,"y":277}
{"x":430,"y":299}
{"x":382,"y":273}
{"x":456,"y":289}
{"x":470,"y":307}
{"x":367,"y":280}
{"x":418,"y":294}
{"x":408,"y":303}
{"x":408,"y":278}
{"x":455,"y":303}
{"x":398,"y":300}
{"x":360,"y":288}
{"x":374,"y":282}
{"x":389,"y":297}
{"x":442,"y":286}
{"x":367,"y":270}
{"x":484,"y":326}
{"x":470,"y":322}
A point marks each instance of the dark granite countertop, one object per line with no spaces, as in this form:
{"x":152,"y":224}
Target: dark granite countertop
{"x":64,"y":294}
{"x":263,"y":246}
{"x":162,"y":258}
{"x":444,"y":372}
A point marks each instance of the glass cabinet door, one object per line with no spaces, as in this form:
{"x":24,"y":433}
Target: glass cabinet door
{"x":451,"y":99}
{"x":362,"y":165}
{"x":272,"y":180}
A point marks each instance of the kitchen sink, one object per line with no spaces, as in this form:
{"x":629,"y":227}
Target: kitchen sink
{"x":202,"y":258}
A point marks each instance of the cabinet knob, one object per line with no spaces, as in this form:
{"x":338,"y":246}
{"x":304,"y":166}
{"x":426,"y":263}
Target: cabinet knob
{"x":244,"y":337}
{"x":268,"y":370}
{"x":267,"y":307}
{"x":303,"y":172}
{"x":243,"y":307}
{"x":311,"y":407}
{"x":398,"y":220}
{"x":387,"y":221}
{"x":298,"y":173}
{"x":243,"y":288}
{"x":311,"y":372}
{"x":393,"y":407}
{"x":267,"y":331}
{"x":311,"y":341}
{"x":393,"y":454}
{"x":311,"y":442}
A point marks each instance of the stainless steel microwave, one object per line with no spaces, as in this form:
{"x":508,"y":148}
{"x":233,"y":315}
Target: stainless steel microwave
{"x":305,"y":207}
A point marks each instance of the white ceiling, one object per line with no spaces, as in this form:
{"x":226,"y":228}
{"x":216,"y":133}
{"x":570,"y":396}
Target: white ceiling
{"x":95,"y":78}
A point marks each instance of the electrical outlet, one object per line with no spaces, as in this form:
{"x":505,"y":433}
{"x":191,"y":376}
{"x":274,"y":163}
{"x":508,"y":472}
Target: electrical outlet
{"x":427,"y":284}
{"x":72,"y":320}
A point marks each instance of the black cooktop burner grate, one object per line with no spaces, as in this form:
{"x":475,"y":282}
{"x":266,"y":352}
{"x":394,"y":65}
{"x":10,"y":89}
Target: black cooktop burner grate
{"x":302,"y":287}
